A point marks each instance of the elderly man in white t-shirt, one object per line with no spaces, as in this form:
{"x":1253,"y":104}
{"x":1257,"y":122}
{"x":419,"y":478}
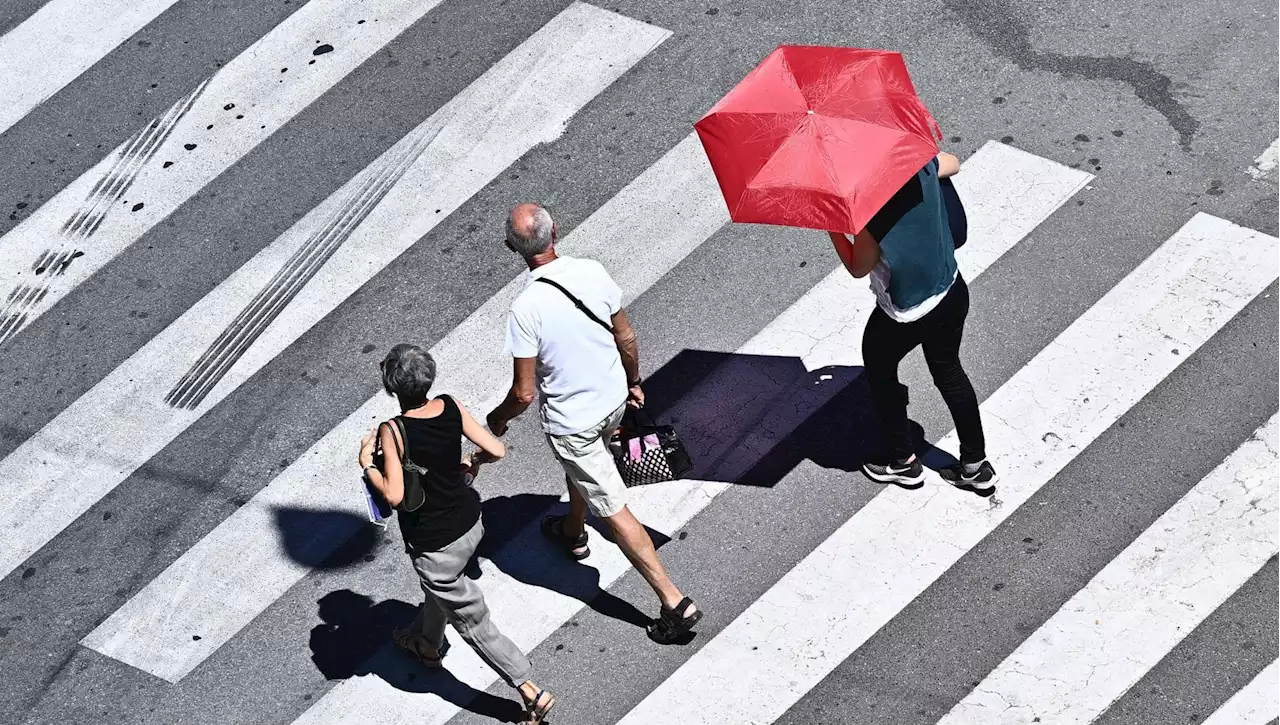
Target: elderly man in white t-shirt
{"x":588,"y":372}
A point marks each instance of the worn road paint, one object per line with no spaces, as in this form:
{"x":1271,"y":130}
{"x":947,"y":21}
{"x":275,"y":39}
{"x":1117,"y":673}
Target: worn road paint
{"x":150,"y":176}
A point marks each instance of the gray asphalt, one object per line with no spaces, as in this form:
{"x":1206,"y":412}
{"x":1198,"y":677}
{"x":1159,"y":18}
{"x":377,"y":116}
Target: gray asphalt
{"x":1175,"y":102}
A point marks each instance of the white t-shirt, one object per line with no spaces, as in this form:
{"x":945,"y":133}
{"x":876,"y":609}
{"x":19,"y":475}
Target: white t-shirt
{"x":580,"y":373}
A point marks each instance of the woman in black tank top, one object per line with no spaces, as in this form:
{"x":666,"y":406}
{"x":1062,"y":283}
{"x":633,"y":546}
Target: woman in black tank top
{"x":415,"y":463}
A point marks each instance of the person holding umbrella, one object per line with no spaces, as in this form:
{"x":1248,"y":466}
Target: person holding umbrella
{"x":836,"y":139}
{"x":921,"y":301}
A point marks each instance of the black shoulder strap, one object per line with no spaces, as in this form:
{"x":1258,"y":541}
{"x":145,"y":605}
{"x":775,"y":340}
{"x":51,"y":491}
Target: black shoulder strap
{"x":398,"y":429}
{"x":577,"y":303}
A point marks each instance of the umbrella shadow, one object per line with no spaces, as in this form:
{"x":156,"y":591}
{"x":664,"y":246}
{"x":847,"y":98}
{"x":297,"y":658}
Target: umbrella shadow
{"x":354,"y":641}
{"x":517,"y":549}
{"x":751,"y":419}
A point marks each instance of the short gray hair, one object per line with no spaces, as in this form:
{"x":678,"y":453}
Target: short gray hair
{"x":408,"y":373}
{"x":538,"y":237}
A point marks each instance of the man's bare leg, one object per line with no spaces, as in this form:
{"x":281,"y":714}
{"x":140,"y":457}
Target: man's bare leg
{"x":576,"y":522}
{"x":635,"y":543}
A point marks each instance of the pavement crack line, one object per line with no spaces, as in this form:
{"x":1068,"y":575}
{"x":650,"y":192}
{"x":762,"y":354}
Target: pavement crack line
{"x":996,"y":23}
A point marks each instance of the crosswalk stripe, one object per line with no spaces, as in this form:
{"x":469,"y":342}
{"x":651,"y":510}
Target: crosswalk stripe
{"x":888,"y":553}
{"x":455,"y":153}
{"x":1162,"y":586}
{"x":666,"y":507}
{"x":206,"y":132}
{"x":1254,"y":704}
{"x":242,"y":555}
{"x":59,"y":42}
{"x":490,"y":128}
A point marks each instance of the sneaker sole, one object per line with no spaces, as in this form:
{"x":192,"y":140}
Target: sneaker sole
{"x":977,"y":485}
{"x":893,"y":478}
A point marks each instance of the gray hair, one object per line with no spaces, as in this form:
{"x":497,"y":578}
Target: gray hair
{"x":408,"y":372}
{"x":536,"y":238}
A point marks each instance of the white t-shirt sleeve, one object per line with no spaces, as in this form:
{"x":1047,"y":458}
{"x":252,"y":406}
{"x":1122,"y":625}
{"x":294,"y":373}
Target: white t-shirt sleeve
{"x":522,"y":335}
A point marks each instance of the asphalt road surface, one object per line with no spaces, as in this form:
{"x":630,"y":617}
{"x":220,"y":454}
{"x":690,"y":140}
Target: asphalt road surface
{"x":219,"y":216}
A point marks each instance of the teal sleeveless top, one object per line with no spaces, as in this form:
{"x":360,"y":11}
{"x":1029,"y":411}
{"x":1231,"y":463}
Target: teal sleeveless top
{"x":915,"y":240}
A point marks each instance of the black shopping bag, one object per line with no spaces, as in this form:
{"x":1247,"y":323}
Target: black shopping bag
{"x":648,"y":453}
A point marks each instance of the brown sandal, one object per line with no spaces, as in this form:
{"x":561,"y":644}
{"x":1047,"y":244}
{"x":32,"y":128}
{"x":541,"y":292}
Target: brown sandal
{"x":536,"y":711}
{"x":416,"y":646}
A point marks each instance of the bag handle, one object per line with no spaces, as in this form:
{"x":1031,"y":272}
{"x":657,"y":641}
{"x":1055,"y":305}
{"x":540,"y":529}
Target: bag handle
{"x":577,"y":303}
{"x":641,"y":417}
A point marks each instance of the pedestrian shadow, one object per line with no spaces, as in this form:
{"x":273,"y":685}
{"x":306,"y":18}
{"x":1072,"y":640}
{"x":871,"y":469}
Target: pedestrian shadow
{"x":354,"y":641}
{"x":325,"y":538}
{"x":751,"y":419}
{"x":514,"y":545}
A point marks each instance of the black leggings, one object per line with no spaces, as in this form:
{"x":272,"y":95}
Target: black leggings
{"x":884,"y":344}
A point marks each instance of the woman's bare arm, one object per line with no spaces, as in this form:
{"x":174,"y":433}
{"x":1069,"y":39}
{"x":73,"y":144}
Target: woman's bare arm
{"x":477,"y":434}
{"x":859,"y":256}
{"x":388,"y":480}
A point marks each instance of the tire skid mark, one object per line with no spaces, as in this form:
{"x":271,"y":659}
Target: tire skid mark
{"x":293,"y":275}
{"x":85,"y":221}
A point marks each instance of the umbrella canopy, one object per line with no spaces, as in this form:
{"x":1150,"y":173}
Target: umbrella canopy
{"x":818,"y":137}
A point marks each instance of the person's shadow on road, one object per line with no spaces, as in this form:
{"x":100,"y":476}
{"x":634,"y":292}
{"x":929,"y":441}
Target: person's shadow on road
{"x":537,"y":562}
{"x":355,"y":641}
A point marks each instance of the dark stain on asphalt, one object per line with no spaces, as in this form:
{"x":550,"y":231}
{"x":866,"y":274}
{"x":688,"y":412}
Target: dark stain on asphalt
{"x":994,"y":22}
{"x":1082,"y":138}
{"x":322,"y":49}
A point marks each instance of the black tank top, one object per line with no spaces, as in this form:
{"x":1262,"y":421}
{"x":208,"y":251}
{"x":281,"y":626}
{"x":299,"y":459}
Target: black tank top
{"x":452,"y":507}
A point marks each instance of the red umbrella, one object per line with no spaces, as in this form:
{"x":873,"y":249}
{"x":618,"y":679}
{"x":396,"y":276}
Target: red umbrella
{"x":818,"y":137}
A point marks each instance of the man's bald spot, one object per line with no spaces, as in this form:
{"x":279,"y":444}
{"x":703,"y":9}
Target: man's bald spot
{"x":530,"y":230}
{"x":522,"y":219}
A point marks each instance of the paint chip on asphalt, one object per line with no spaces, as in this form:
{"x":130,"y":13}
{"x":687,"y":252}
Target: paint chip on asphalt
{"x":1264,"y":167}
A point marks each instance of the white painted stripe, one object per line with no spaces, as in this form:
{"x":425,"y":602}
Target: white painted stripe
{"x":526,"y":99}
{"x":241,"y":568}
{"x":902,"y":541}
{"x":1143,"y":603}
{"x":665,"y":507}
{"x":59,"y":42}
{"x":1255,"y":704}
{"x":1265,"y":165}
{"x":202,"y":143}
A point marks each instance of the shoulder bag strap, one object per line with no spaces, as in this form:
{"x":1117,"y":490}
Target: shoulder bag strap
{"x":577,"y":303}
{"x":398,"y":435}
